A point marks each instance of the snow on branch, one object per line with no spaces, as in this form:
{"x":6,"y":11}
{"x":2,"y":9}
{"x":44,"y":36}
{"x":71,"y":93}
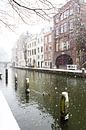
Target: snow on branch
{"x":42,"y":8}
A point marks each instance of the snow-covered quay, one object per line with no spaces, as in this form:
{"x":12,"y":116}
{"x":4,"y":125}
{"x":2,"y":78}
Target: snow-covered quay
{"x":7,"y":120}
{"x":73,"y":73}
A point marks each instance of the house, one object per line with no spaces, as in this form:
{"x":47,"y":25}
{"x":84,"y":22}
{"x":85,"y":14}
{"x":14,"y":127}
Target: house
{"x":66,"y":27}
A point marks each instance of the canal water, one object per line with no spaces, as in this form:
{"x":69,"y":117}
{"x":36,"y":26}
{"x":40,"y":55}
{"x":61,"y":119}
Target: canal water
{"x":39,"y":110}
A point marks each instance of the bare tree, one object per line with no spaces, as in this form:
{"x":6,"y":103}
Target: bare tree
{"x":23,"y":45}
{"x":27,"y":11}
{"x":81,"y":45}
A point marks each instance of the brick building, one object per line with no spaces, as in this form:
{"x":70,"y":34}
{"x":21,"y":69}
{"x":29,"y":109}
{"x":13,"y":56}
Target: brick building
{"x":49,"y":49}
{"x":66,"y":25}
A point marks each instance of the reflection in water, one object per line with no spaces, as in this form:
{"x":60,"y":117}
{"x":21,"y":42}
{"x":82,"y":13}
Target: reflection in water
{"x":42,"y":92}
{"x":64,"y":124}
{"x":40,"y":109}
{"x":46,"y":90}
{"x":6,"y":80}
{"x":27,"y":97}
{"x":71,"y":82}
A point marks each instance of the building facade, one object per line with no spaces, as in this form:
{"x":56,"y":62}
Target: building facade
{"x":58,"y":46}
{"x":19,"y":51}
{"x":66,"y":25}
{"x":49,"y":49}
{"x":35,"y":50}
{"x":20,"y":54}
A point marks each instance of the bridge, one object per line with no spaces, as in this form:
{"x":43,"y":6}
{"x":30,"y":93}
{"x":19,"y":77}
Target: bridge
{"x":5,"y":63}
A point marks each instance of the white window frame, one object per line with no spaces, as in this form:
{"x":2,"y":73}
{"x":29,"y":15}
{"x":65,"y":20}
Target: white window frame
{"x":71,"y":11}
{"x":71,"y":25}
{"x":65,"y":27}
{"x":62,"y":28}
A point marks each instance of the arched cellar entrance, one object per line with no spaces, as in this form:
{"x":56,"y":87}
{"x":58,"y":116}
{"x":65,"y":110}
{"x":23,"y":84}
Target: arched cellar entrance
{"x":63,"y":60}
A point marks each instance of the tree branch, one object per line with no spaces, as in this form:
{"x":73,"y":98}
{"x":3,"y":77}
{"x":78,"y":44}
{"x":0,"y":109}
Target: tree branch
{"x":7,"y":25}
{"x":41,"y":12}
{"x":32,"y":9}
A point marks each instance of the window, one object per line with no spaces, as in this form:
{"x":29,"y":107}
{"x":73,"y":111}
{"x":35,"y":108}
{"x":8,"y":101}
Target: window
{"x":49,"y":56}
{"x":41,"y":49}
{"x":41,"y":56}
{"x":66,"y":13}
{"x":38,"y":49}
{"x":46,"y":48}
{"x":76,"y":8}
{"x":62,"y":28}
{"x":64,"y":45}
{"x":71,"y":11}
{"x":71,"y":24}
{"x":50,"y":48}
{"x":65,"y":27}
{"x":34,"y":43}
{"x":68,"y":45}
{"x":46,"y":63}
{"x":34,"y":51}
{"x":38,"y":63}
{"x":28,"y":53}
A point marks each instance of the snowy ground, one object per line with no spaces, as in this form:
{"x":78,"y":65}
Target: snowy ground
{"x":7,"y":120}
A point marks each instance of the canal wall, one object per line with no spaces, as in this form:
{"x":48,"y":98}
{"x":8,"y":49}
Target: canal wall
{"x":72,"y":73}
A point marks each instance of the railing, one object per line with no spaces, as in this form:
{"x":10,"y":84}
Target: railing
{"x":71,"y":67}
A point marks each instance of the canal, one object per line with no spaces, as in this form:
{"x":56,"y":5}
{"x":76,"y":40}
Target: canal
{"x":39,"y":110}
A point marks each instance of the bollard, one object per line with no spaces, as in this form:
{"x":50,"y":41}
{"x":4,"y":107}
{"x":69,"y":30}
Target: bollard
{"x":83,"y":71}
{"x":0,"y":76}
{"x":6,"y":75}
{"x":27,"y":85}
{"x":16,"y":83}
{"x":64,"y":106}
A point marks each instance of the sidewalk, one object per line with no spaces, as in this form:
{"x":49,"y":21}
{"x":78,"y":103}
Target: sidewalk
{"x":7,"y":120}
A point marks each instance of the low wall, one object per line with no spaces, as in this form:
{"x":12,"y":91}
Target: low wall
{"x":73,"y":73}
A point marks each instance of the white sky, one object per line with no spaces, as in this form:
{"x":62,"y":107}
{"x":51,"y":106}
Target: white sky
{"x":7,"y":37}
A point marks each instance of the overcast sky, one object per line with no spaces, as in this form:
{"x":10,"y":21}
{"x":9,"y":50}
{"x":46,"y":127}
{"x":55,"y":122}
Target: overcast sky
{"x":7,"y":37}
